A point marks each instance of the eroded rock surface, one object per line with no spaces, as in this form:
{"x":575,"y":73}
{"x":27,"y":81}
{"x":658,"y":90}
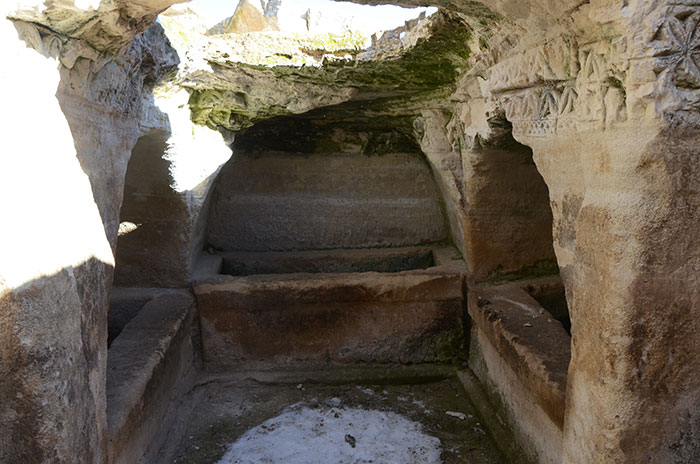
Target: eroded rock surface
{"x":90,"y":80}
{"x":237,"y":80}
{"x":603,"y":97}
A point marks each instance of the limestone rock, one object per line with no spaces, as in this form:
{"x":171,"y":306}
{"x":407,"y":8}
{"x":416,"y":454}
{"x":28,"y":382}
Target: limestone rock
{"x":236,"y":80}
{"x":600,"y":98}
{"x":183,"y":26}
{"x":91,"y":104}
{"x":246,"y":18}
{"x":110,"y":27}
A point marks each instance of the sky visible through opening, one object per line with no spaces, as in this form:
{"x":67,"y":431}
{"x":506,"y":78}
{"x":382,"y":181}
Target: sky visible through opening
{"x":333,"y":15}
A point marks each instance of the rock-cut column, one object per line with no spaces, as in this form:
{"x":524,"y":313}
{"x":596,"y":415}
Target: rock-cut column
{"x":626,"y":210}
{"x":72,"y":111}
{"x":617,"y":141}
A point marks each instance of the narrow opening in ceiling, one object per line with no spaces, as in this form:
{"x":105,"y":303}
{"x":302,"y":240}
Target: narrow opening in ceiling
{"x":315,"y":15}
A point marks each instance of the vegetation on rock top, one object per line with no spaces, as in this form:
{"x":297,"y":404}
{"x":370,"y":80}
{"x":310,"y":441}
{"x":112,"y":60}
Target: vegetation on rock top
{"x":225,"y":102}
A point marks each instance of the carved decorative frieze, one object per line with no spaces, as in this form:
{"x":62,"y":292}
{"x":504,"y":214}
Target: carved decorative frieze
{"x":567,"y":101}
{"x":591,"y":87}
{"x":556,"y":60}
{"x":540,"y":111}
{"x":591,"y":97}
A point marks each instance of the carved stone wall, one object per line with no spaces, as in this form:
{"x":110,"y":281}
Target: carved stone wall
{"x":312,"y":185}
{"x":610,"y":109}
{"x":606,"y":93}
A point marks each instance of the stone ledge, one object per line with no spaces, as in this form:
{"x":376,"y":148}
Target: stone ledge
{"x":124,"y":304}
{"x":306,"y":319}
{"x":206,"y":266}
{"x":490,"y":416}
{"x":279,"y":290}
{"x":244,"y":263}
{"x":528,"y":338}
{"x":151,"y":355}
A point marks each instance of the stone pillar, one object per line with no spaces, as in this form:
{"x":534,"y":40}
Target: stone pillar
{"x":627,"y":238}
{"x":53,"y":276}
{"x":72,"y":116}
{"x":432,"y":132}
{"x":170,"y":178}
{"x":615,"y":132}
{"x":496,"y":201}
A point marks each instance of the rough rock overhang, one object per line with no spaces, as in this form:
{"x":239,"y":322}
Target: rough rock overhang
{"x":232,"y":90}
{"x":108,"y":28}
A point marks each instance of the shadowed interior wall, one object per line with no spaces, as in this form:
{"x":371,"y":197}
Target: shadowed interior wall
{"x":509,"y":219}
{"x":325,"y":188}
{"x":153,"y":217}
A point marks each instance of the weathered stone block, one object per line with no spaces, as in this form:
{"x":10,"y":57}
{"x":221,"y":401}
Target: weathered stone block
{"x":407,"y":317}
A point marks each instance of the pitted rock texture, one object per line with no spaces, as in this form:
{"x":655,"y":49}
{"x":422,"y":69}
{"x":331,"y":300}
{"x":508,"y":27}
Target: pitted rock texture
{"x":92,"y":81}
{"x":605,"y":93}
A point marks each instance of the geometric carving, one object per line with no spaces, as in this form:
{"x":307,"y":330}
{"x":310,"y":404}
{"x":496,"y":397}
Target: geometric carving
{"x":539,"y":112}
{"x":557,"y":85}
{"x":591,"y":98}
{"x":562,"y":84}
{"x":553,"y":61}
{"x":593,"y":69}
{"x":677,"y":40}
{"x":568,"y":100}
{"x":548,"y":106}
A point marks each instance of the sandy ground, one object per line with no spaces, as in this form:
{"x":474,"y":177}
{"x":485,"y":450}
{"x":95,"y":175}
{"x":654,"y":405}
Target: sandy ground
{"x":330,"y":432}
{"x":219,"y":411}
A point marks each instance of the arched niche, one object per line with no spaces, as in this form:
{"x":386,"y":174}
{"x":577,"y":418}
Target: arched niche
{"x":297,"y":183}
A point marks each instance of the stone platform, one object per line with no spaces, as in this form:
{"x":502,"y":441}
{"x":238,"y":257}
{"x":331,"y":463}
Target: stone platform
{"x":413,"y":316}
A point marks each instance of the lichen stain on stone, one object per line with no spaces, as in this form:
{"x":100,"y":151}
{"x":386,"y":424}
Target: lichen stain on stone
{"x":433,"y":62}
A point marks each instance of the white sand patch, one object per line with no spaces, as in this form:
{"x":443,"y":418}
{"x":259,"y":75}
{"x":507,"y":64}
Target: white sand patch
{"x":301,"y":435}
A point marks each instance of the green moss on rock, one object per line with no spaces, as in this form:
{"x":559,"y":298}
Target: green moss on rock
{"x":433,"y":63}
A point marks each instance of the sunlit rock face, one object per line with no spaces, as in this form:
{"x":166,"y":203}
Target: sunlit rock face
{"x":108,"y":26}
{"x":592,"y":108}
{"x":86,"y":77}
{"x":236,"y":80}
{"x":249,"y":17}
